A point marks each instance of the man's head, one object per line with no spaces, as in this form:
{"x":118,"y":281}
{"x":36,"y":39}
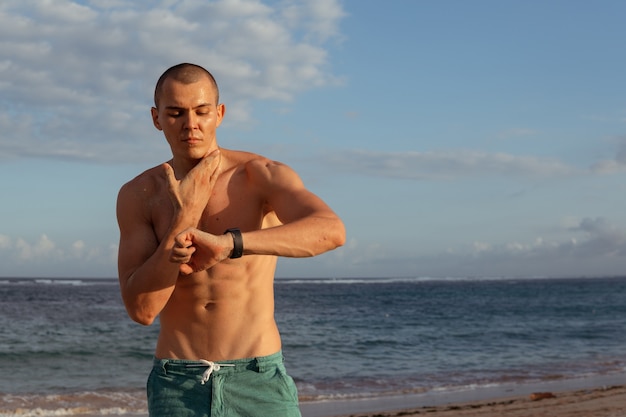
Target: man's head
{"x":187,"y":111}
{"x":186,"y":74}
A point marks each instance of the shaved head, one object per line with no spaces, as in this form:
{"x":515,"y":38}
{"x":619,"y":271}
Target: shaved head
{"x":186,"y":74}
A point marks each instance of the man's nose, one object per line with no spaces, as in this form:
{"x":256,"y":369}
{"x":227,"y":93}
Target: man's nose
{"x":191,"y":121}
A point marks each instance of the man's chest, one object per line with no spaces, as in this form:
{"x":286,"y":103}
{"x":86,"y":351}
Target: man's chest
{"x":224,"y":210}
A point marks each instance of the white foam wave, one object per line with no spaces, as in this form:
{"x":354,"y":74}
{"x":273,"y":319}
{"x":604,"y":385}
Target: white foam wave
{"x":72,"y":411}
{"x":387,"y":280}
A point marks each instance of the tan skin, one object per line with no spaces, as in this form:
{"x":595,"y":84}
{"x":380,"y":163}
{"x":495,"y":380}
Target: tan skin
{"x":174,"y":258}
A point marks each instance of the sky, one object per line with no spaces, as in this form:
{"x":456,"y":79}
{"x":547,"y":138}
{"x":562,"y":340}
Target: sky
{"x":454,"y":138}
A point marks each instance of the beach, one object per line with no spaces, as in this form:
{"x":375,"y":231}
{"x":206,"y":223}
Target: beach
{"x":605,"y":401}
{"x":589,"y":397}
{"x":599,"y":402}
{"x":355,"y":347}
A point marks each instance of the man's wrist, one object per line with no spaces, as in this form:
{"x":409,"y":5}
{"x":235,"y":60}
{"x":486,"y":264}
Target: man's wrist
{"x":237,"y":243}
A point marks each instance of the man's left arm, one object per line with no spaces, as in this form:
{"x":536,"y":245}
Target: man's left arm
{"x":309,"y":226}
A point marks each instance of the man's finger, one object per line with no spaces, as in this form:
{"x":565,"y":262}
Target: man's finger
{"x":169,"y":174}
{"x":182,"y":241}
{"x":210,"y":162}
{"x":172,"y":184}
{"x":185,"y":269}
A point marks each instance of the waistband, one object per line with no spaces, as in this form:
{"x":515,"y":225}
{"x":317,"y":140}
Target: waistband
{"x":256,"y":364}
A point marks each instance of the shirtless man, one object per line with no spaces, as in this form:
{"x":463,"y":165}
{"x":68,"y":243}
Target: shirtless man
{"x":199,"y":239}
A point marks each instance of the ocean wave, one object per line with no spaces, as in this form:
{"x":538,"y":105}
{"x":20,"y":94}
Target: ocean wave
{"x":390,"y":280}
{"x":59,"y":281}
{"x":419,"y":279}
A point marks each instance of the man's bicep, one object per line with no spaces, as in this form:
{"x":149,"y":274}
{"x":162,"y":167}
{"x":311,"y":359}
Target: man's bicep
{"x":137,"y":239}
{"x":289,"y":197}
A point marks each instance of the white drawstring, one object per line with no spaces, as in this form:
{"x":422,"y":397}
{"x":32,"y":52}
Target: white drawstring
{"x":211,"y":367}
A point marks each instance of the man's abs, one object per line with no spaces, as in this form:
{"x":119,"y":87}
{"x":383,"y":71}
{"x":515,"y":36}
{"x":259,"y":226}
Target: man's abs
{"x":218,"y":318}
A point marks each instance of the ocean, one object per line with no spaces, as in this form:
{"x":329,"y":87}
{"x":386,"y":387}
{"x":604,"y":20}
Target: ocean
{"x":67,"y":346}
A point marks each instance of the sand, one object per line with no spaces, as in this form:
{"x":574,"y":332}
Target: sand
{"x":599,"y":402}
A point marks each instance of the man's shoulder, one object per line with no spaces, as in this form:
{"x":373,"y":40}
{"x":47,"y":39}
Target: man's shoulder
{"x":238,"y":157}
{"x":145,"y":181}
{"x":259,"y":170}
{"x":248,"y":161}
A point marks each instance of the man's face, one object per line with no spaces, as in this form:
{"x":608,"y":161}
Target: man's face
{"x":188,"y":115}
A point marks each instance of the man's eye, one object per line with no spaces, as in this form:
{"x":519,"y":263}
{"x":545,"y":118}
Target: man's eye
{"x":174,"y":114}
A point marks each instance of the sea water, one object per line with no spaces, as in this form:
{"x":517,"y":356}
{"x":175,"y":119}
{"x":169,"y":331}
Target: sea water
{"x":67,"y":346}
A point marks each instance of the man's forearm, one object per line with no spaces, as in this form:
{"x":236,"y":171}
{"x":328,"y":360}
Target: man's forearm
{"x":302,"y":238}
{"x":148,"y":289}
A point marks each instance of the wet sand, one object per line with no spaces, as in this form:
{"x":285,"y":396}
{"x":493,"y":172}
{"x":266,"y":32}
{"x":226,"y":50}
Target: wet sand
{"x":607,"y":401}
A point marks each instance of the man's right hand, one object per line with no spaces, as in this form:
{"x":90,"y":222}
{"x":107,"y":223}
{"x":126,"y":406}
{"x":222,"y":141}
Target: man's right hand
{"x":190,"y":195}
{"x":196,"y":250}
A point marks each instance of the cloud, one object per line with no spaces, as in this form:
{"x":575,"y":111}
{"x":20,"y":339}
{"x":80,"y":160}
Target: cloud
{"x":617,"y":164}
{"x":590,"y":247}
{"x":77,"y":78}
{"x":444,"y":165}
{"x":319,"y":17}
{"x":599,"y":238}
{"x":595,"y":246}
{"x":43,"y":248}
{"x":45,"y":257}
{"x":5,"y":242}
{"x":608,"y":167}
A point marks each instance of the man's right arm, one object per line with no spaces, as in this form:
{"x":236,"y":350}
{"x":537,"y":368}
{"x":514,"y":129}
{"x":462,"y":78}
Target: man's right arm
{"x":147,"y":275}
{"x":148,"y":266}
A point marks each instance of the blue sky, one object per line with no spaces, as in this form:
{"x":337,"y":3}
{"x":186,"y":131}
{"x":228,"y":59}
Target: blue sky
{"x":455,"y":138}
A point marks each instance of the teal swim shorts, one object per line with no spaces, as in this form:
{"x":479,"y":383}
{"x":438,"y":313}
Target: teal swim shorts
{"x":243,"y":387}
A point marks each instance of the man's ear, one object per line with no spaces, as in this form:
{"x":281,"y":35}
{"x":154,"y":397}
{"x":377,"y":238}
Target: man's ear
{"x":221,"y":111}
{"x":155,"y":118}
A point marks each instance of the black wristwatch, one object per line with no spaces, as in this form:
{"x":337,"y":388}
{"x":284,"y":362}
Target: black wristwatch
{"x":237,"y":241}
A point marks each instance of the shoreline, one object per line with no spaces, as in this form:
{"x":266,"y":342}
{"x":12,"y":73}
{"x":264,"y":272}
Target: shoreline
{"x":604,"y":402}
{"x":598,"y":396}
{"x":608,"y":391}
